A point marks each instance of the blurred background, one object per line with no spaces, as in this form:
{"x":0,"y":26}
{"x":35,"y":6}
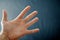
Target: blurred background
{"x":48,"y":13}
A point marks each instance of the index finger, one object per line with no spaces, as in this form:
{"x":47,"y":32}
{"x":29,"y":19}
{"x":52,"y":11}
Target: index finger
{"x":21,"y":15}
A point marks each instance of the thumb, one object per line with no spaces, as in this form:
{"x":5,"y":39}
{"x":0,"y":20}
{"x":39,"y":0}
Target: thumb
{"x":4,"y":15}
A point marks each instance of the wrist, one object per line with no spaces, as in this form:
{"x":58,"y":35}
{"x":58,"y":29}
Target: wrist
{"x":4,"y":36}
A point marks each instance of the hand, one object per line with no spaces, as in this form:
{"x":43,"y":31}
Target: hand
{"x":18,"y":27}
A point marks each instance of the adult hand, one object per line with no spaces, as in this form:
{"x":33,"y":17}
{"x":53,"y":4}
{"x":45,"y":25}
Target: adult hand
{"x":18,"y":27}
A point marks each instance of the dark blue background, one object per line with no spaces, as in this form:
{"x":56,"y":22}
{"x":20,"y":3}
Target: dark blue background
{"x":48,"y":13}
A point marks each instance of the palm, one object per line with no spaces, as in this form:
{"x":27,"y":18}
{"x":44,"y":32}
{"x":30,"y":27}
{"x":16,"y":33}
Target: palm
{"x":18,"y":27}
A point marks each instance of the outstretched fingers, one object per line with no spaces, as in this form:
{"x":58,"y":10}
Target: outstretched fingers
{"x":30,"y":16}
{"x":31,"y":22}
{"x":4,"y":15}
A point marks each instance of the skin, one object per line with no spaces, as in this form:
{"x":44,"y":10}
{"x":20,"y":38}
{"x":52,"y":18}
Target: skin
{"x":18,"y":27}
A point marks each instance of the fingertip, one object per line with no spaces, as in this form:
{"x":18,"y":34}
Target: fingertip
{"x":29,"y":6}
{"x":4,"y":11}
{"x":37,"y":30}
{"x":36,"y":11}
{"x":37,"y":18}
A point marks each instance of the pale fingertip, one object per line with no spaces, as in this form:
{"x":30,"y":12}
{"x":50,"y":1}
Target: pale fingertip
{"x":37,"y":18}
{"x":29,"y":6}
{"x":36,"y":11}
{"x":4,"y":12}
{"x":37,"y":29}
